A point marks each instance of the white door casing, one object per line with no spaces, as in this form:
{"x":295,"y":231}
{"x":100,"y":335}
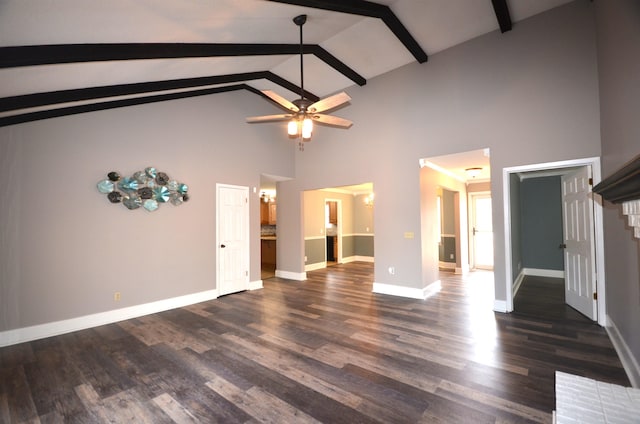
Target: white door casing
{"x":232,"y":250}
{"x":579,"y":253}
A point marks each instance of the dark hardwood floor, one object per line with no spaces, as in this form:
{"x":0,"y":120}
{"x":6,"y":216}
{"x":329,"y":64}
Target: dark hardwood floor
{"x":323,"y":350}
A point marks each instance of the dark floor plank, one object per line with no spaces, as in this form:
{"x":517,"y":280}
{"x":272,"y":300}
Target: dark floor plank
{"x":323,"y":350}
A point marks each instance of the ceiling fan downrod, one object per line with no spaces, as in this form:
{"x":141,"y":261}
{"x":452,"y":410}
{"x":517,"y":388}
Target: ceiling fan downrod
{"x":300,"y":21}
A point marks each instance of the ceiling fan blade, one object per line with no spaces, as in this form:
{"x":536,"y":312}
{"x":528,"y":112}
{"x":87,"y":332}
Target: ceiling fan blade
{"x":280,"y":100}
{"x":330,"y":102}
{"x":268,"y":118}
{"x":334,"y":121}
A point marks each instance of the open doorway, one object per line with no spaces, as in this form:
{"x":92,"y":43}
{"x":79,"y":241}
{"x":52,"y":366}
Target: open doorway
{"x":268,"y":224}
{"x":580,"y":255}
{"x":338,"y":225}
{"x":445,"y":190}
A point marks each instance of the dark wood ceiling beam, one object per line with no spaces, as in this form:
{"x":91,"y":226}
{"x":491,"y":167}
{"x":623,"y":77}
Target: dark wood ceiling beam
{"x":26,"y":101}
{"x":74,"y":110}
{"x":502,"y":14}
{"x":15,"y":56}
{"x":372,"y":10}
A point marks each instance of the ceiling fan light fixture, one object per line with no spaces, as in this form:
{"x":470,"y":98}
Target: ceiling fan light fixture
{"x":292,"y":128}
{"x":307,"y":128}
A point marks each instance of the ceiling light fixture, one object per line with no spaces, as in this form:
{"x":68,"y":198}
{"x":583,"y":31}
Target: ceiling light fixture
{"x":368,"y":201}
{"x":473,"y":172}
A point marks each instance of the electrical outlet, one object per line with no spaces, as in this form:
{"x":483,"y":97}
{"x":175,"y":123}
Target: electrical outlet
{"x":451,"y":256}
{"x":305,"y":259}
{"x":117,"y":296}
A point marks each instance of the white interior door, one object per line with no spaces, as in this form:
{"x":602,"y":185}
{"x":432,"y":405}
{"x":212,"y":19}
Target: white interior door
{"x":481,"y":231}
{"x":233,"y":238}
{"x":579,"y":253}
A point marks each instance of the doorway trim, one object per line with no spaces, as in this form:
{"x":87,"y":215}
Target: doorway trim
{"x":594,"y":162}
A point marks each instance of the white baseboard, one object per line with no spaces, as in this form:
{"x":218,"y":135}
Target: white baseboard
{"x":27,"y":334}
{"x":534,"y":272}
{"x":462,"y":270}
{"x":315,"y":267}
{"x":447,"y":265}
{"x":518,"y":282}
{"x":629,"y":362}
{"x":298,"y":276}
{"x":410,"y":292}
{"x":500,"y":305}
{"x":554,"y":273}
{"x":255,"y":285}
{"x":357,"y":258}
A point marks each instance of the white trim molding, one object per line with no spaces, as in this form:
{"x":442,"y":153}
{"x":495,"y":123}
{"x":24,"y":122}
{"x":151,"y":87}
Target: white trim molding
{"x":255,"y":285}
{"x":534,"y":272}
{"x":409,"y":292}
{"x":629,"y":362}
{"x":316,"y":266}
{"x":35,"y":332}
{"x":538,"y":272}
{"x":357,"y":258}
{"x":500,"y":306}
{"x":288,"y":275}
{"x":518,"y":282}
{"x":447,"y":265}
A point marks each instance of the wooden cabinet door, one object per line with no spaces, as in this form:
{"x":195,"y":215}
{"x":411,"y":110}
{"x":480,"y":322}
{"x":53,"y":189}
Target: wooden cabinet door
{"x":333,"y":213}
{"x":272,"y":214}
{"x":264,"y":213}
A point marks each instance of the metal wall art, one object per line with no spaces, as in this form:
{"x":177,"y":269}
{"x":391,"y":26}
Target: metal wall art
{"x":147,"y":189}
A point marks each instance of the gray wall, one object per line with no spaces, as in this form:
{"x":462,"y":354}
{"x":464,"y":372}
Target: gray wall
{"x":65,"y":249}
{"x":619,"y":67}
{"x":541,"y":223}
{"x":530,"y":95}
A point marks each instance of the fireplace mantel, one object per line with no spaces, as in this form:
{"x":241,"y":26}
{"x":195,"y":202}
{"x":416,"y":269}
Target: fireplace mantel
{"x":623,"y":186}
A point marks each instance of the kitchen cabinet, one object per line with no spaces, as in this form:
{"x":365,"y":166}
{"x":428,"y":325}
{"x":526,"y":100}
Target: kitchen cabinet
{"x":268,"y":252}
{"x":333,"y":213}
{"x":267,"y":213}
{"x":272,"y":213}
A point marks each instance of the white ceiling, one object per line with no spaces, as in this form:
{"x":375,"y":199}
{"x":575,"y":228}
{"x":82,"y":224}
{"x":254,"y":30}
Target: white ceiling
{"x":364,"y":44}
{"x":455,"y":165}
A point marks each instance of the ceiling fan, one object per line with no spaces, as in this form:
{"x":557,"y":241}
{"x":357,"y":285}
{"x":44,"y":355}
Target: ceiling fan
{"x":303,"y":112}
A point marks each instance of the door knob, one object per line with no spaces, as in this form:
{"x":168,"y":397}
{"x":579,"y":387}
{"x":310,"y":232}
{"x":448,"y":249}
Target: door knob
{"x":222,"y":246}
{"x":562,"y":246}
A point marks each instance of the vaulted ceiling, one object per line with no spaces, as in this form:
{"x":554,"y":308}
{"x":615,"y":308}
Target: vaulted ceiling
{"x":61,"y":57}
